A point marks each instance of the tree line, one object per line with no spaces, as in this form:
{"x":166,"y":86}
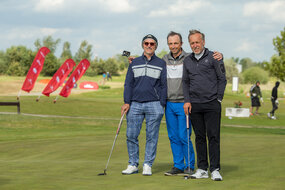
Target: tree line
{"x":16,"y":61}
{"x":253,"y":71}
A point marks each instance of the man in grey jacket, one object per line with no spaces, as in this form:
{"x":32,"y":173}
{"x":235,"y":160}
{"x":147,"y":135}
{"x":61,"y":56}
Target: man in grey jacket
{"x":204,"y":83}
{"x":174,"y":113}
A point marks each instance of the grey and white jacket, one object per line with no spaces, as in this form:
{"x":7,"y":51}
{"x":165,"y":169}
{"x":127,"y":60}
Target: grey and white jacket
{"x":174,"y":69}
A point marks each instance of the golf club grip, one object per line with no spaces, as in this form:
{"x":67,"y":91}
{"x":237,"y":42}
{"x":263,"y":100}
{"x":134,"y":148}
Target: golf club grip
{"x":120,"y":124}
{"x":187,"y":121}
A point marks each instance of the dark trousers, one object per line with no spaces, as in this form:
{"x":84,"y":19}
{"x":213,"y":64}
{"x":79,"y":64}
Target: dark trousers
{"x":274,"y":106}
{"x":206,"y":120}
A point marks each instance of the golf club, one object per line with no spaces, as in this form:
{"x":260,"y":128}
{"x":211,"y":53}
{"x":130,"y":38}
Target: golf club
{"x":188,"y":136}
{"x":117,"y":133}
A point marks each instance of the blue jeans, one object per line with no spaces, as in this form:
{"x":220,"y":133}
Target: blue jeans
{"x":177,"y":133}
{"x":152,"y":112}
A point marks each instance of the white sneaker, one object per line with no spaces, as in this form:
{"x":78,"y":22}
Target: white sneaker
{"x":200,"y":174}
{"x":216,"y":176}
{"x":273,"y":117}
{"x":146,"y":170}
{"x":130,"y":170}
{"x":269,"y":115}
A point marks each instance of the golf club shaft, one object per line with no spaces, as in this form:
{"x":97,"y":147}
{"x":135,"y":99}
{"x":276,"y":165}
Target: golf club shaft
{"x":117,"y":133}
{"x":188,"y":139}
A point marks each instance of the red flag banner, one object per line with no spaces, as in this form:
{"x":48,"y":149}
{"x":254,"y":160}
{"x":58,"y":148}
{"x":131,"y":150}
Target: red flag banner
{"x":59,"y":77}
{"x":75,"y":76}
{"x":35,"y":69}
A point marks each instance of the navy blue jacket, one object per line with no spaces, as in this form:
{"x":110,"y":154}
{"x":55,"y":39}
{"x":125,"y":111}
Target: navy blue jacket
{"x":204,"y":80}
{"x":146,"y":81}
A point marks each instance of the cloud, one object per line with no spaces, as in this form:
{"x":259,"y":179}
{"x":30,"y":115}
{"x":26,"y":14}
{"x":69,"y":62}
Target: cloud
{"x":273,"y":10}
{"x":180,"y":8}
{"x":49,"y":6}
{"x":116,"y":6}
{"x":34,"y":32}
{"x":246,"y":46}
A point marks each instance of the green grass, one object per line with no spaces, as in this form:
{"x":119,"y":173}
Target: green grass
{"x":54,"y":153}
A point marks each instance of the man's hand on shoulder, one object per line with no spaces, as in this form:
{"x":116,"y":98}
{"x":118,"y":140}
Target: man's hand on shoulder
{"x":217,"y":55}
{"x":130,"y":59}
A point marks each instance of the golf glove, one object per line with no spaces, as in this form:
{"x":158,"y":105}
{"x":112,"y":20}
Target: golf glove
{"x":261,"y":99}
{"x":276,"y":102}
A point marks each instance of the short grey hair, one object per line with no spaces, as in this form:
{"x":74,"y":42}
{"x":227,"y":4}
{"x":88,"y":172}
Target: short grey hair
{"x":192,"y":32}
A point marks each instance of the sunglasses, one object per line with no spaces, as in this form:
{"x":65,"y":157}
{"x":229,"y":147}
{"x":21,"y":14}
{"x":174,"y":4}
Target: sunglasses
{"x":149,"y":43}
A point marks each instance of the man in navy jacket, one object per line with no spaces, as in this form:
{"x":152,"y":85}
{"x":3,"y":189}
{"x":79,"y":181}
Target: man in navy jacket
{"x":204,"y":83}
{"x":145,"y":93}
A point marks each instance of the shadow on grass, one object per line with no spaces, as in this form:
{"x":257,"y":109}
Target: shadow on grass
{"x":228,"y":169}
{"x":162,"y":167}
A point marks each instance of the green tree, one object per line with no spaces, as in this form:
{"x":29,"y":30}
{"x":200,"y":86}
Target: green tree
{"x":48,"y":42}
{"x":254,"y":74}
{"x":162,"y":53}
{"x":276,"y":67}
{"x":99,"y":66}
{"x":84,"y":52}
{"x":15,"y":69}
{"x":231,"y":69}
{"x":66,"y":52}
{"x":111,"y":66}
{"x":93,"y":71}
{"x":246,"y":63}
{"x":18,"y":60}
{"x":122,"y":61}
{"x":3,"y":63}
{"x":51,"y":63}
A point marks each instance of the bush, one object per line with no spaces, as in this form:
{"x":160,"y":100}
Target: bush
{"x":254,"y":74}
{"x":50,"y":65}
{"x":3,"y":63}
{"x":18,"y":60}
{"x":104,"y":87}
{"x":15,"y":69}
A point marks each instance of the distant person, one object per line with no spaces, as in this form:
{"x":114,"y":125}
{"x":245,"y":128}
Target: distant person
{"x":174,"y":112}
{"x":145,"y":93}
{"x":204,"y":83}
{"x":109,"y":76}
{"x":274,"y":100}
{"x":255,"y":95}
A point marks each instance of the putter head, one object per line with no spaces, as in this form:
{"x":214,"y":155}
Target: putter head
{"x":186,"y":177}
{"x":102,"y":173}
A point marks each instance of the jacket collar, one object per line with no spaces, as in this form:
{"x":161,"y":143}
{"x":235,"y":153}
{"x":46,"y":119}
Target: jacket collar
{"x":170,"y":57}
{"x":145,"y":59}
{"x":206,"y":52}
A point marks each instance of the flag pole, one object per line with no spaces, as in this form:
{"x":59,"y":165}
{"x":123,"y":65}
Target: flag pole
{"x":19,"y":94}
{"x":38,"y":98}
{"x":55,"y":99}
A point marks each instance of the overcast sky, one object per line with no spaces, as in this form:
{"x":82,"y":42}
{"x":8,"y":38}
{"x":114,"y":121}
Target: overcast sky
{"x":242,"y":28}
